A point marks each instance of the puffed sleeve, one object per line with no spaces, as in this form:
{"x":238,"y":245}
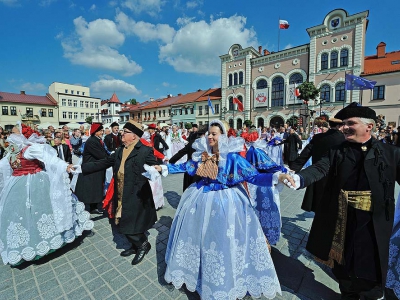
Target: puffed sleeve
{"x":190,"y":167}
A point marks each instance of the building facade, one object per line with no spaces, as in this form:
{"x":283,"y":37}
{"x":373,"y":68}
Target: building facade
{"x":110,"y":110}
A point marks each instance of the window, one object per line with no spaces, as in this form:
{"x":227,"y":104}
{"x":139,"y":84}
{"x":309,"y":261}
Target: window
{"x":64,"y":102}
{"x":29,"y":111}
{"x":200,"y":123}
{"x":206,"y":109}
{"x":69,"y":115}
{"x":344,"y":57}
{"x":87,"y":104}
{"x":75,"y":103}
{"x":230,"y":80}
{"x":44,"y":112}
{"x":82,"y":115}
{"x":230,"y":103}
{"x":81,"y":103}
{"x":334,"y":59}
{"x":4,"y":110}
{"x":163,"y":113}
{"x":325,"y":93}
{"x":13,"y":110}
{"x":277,"y":91}
{"x":239,"y":124}
{"x":324,"y":61}
{"x":235,"y":79}
{"x":83,"y":93}
{"x":169,"y":112}
{"x":154,"y":114}
{"x":66,"y":91}
{"x":186,"y":111}
{"x":91,"y":104}
{"x":159,"y":113}
{"x":75,"y":115}
{"x":175,"y":112}
{"x":262,"y":84}
{"x":296,"y":78}
{"x":96,"y":105}
{"x":64,"y":114}
{"x":69,"y":102}
{"x":192,"y":110}
{"x":50,"y":112}
{"x":72,"y":92}
{"x":180,"y":111}
{"x":240,"y":77}
{"x":87,"y":115}
{"x":340,"y":92}
{"x":379,"y":92}
{"x":138,"y":115}
{"x":231,"y":123}
{"x":216,"y":109}
{"x":200,"y":110}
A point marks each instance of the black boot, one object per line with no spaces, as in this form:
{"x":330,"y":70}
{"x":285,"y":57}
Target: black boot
{"x":128,"y":252}
{"x":141,"y":253}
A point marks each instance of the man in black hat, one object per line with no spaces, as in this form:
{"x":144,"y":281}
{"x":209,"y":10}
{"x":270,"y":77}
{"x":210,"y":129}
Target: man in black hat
{"x":113,"y":140}
{"x":134,"y":207}
{"x":352,"y":226}
{"x":319,"y":145}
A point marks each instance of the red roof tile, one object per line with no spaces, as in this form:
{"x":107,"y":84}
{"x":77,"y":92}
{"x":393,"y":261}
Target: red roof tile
{"x":387,"y":64}
{"x":114,"y":99}
{"x":214,"y":94}
{"x":27,"y":99}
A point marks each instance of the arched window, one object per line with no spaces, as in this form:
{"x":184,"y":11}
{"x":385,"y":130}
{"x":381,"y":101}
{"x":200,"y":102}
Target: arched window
{"x":239,"y":124}
{"x":344,"y":57}
{"x":260,"y":122}
{"x":240,"y":77}
{"x":262,"y":84}
{"x":325,"y":93}
{"x":277,"y":91}
{"x":324,"y":61}
{"x":340,"y":92}
{"x":296,"y":78}
{"x":231,"y":123}
{"x":334,"y":59}
{"x":230,"y":103}
{"x":235,"y":79}
{"x":230,"y":80}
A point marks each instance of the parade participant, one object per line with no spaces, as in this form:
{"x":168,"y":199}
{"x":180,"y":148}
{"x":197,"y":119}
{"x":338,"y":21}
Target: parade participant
{"x":135,"y":212}
{"x":177,"y":143}
{"x":319,"y":145}
{"x":113,"y":140}
{"x":89,"y":187}
{"x":352,"y":229}
{"x":38,"y":214}
{"x":274,"y":148}
{"x":266,"y":198}
{"x":293,"y":144}
{"x":188,"y":150}
{"x":157,"y":141}
{"x":216,"y":244}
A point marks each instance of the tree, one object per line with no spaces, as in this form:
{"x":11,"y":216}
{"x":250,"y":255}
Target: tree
{"x":89,"y":120}
{"x":308,"y":92}
{"x":131,"y":101}
{"x":188,"y":125}
{"x":247,"y":123}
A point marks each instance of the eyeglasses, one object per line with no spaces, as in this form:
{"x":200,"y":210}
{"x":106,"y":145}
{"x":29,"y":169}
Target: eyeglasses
{"x":125,"y":132}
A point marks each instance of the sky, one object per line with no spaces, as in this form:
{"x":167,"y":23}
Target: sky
{"x":151,"y":48}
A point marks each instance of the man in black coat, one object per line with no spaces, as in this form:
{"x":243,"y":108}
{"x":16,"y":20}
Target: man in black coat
{"x":317,"y":148}
{"x":113,"y":140}
{"x":352,"y":227}
{"x":89,"y":187}
{"x":63,"y":150}
{"x":157,"y":140}
{"x":135,"y":211}
{"x":188,"y":150}
{"x":293,"y":144}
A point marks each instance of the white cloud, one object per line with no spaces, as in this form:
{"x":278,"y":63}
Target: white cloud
{"x":32,"y":87}
{"x":93,"y":7}
{"x":145,"y":31}
{"x":288,"y":46}
{"x":94,"y":45}
{"x":105,"y":87}
{"x":9,"y":2}
{"x":151,"y":7}
{"x":196,"y":46}
{"x":166,"y":84}
{"x":194,"y":3}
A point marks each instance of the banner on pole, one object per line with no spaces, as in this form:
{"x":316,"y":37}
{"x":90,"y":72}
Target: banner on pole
{"x":261,"y":98}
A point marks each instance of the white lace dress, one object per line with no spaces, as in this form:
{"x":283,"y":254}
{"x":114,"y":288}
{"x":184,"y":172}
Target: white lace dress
{"x":38,"y":214}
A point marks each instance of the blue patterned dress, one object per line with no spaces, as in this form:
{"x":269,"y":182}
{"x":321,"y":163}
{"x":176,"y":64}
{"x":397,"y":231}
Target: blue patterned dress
{"x":216,"y":244}
{"x":393,"y":275}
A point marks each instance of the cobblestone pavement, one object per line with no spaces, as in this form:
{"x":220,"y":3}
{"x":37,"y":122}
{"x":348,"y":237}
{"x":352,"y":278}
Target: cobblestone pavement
{"x":91,"y":267}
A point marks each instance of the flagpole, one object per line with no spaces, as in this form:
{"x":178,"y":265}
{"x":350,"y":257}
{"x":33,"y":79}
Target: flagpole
{"x":279,"y":33}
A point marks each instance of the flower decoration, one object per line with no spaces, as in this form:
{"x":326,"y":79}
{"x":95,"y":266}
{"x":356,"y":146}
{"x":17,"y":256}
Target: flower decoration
{"x":28,"y":131}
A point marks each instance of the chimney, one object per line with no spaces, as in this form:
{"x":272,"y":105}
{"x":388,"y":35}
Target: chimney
{"x":22,"y":92}
{"x":151,"y":99}
{"x":381,"y":50}
{"x":199,"y":90}
{"x":266,"y":52}
{"x":260,"y":49}
{"x":179,"y":94}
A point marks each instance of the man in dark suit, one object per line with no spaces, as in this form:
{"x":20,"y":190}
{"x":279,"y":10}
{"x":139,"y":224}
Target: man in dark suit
{"x":63,"y":150}
{"x":293,"y":144}
{"x":113,"y":140}
{"x":317,"y":148}
{"x":156,"y":140}
{"x":188,"y":150}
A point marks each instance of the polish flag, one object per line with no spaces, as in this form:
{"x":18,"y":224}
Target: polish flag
{"x":296,"y":90}
{"x":237,"y":101}
{"x":283,"y":24}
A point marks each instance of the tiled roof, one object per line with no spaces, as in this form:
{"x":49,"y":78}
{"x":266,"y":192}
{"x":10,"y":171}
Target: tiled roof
{"x":214,"y":94}
{"x":27,"y":99}
{"x":387,"y":64}
{"x":114,"y":99}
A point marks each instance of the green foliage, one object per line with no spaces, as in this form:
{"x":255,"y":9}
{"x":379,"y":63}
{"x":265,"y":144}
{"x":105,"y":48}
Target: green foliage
{"x":247,"y":123}
{"x":89,"y":120}
{"x":188,"y":125}
{"x":308,"y":91}
{"x":132,"y":101}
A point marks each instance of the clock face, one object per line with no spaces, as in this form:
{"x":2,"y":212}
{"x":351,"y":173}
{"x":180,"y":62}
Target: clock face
{"x":235,"y":52}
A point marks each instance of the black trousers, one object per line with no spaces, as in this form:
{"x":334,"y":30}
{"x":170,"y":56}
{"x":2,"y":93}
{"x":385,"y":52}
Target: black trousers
{"x":137,"y":240}
{"x":92,"y":206}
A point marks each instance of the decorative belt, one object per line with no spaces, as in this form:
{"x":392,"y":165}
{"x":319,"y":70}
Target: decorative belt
{"x":359,"y":199}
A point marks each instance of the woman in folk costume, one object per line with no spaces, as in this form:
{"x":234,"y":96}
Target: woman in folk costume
{"x":274,"y":148}
{"x":266,"y":198}
{"x":38,"y":214}
{"x":216,"y":244}
{"x":176,"y":143}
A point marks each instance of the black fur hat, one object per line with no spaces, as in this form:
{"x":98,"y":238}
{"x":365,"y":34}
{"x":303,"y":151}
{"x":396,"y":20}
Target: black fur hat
{"x":356,"y":110}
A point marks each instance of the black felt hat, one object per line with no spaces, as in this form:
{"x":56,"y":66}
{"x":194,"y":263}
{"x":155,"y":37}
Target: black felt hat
{"x":114,"y":124}
{"x":355,"y":110}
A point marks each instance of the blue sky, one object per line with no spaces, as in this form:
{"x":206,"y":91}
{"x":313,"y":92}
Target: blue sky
{"x":151,"y":48}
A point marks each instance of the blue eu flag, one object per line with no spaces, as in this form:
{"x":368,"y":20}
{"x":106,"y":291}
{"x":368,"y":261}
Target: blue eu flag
{"x":354,"y":82}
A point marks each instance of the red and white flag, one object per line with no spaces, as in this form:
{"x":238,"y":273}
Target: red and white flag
{"x":237,"y":101}
{"x":296,"y":90}
{"x":283,"y":24}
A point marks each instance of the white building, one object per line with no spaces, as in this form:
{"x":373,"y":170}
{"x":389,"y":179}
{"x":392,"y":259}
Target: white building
{"x":75,"y":103}
{"x":110,"y":110}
